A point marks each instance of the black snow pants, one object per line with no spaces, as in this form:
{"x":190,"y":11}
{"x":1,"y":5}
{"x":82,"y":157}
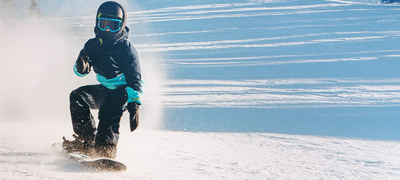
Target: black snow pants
{"x":110,"y":103}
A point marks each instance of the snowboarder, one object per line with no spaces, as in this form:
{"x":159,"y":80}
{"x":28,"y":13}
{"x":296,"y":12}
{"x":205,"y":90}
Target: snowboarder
{"x":116,"y":64}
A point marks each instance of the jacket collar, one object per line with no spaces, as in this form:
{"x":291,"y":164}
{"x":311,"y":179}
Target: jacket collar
{"x":108,"y":39}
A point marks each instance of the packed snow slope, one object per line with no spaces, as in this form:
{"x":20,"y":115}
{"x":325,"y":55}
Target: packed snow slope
{"x":235,"y":89}
{"x":176,"y":155}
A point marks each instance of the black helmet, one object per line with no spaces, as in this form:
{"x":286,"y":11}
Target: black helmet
{"x":110,"y":21}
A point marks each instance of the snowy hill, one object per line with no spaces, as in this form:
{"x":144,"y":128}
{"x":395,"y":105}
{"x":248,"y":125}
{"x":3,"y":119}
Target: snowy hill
{"x":236,"y":89}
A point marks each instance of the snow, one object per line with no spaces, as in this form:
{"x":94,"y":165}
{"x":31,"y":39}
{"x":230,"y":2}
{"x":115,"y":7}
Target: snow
{"x":235,"y":89}
{"x":200,"y":155}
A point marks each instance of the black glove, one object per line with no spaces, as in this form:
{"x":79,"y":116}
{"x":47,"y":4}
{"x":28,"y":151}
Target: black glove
{"x":133,"y":108}
{"x":83,"y":65}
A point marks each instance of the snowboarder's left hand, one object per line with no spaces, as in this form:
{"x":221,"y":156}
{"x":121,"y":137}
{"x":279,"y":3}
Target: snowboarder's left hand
{"x":133,"y":108}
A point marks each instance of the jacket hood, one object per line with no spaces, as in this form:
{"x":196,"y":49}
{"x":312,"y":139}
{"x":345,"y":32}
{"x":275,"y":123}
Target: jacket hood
{"x":114,"y":10}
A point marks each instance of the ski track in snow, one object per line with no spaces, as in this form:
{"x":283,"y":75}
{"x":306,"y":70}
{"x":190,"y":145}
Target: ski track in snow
{"x":220,"y":59}
{"x":282,"y":93}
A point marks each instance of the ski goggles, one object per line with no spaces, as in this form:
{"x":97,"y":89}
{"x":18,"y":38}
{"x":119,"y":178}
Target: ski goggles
{"x":114,"y":25}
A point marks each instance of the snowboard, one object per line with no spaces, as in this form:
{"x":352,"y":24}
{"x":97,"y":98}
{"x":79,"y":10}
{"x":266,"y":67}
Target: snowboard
{"x":97,"y":164}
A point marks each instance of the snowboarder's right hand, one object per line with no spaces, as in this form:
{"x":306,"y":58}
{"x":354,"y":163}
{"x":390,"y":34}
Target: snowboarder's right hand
{"x":83,"y":65}
{"x":133,"y":108}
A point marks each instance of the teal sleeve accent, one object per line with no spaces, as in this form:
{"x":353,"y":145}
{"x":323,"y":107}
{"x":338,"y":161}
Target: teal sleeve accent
{"x":112,"y":83}
{"x":77,"y":73}
{"x":135,"y":96}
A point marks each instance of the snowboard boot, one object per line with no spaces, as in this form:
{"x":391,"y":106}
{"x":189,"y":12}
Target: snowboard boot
{"x":79,"y":144}
{"x":106,"y":151}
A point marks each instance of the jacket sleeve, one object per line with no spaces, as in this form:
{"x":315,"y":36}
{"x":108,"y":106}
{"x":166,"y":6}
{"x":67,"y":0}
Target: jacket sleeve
{"x":133,"y":75}
{"x":83,"y":63}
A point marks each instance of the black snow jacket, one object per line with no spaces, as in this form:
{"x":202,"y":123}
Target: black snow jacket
{"x":115,"y":62}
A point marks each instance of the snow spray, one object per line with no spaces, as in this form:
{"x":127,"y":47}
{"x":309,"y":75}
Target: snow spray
{"x":38,"y":52}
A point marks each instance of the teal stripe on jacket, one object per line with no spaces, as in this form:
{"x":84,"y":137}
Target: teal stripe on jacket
{"x":133,"y":96}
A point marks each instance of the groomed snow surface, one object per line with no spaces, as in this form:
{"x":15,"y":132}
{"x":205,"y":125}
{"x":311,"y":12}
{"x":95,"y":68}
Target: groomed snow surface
{"x":235,"y":89}
{"x":199,"y":155}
